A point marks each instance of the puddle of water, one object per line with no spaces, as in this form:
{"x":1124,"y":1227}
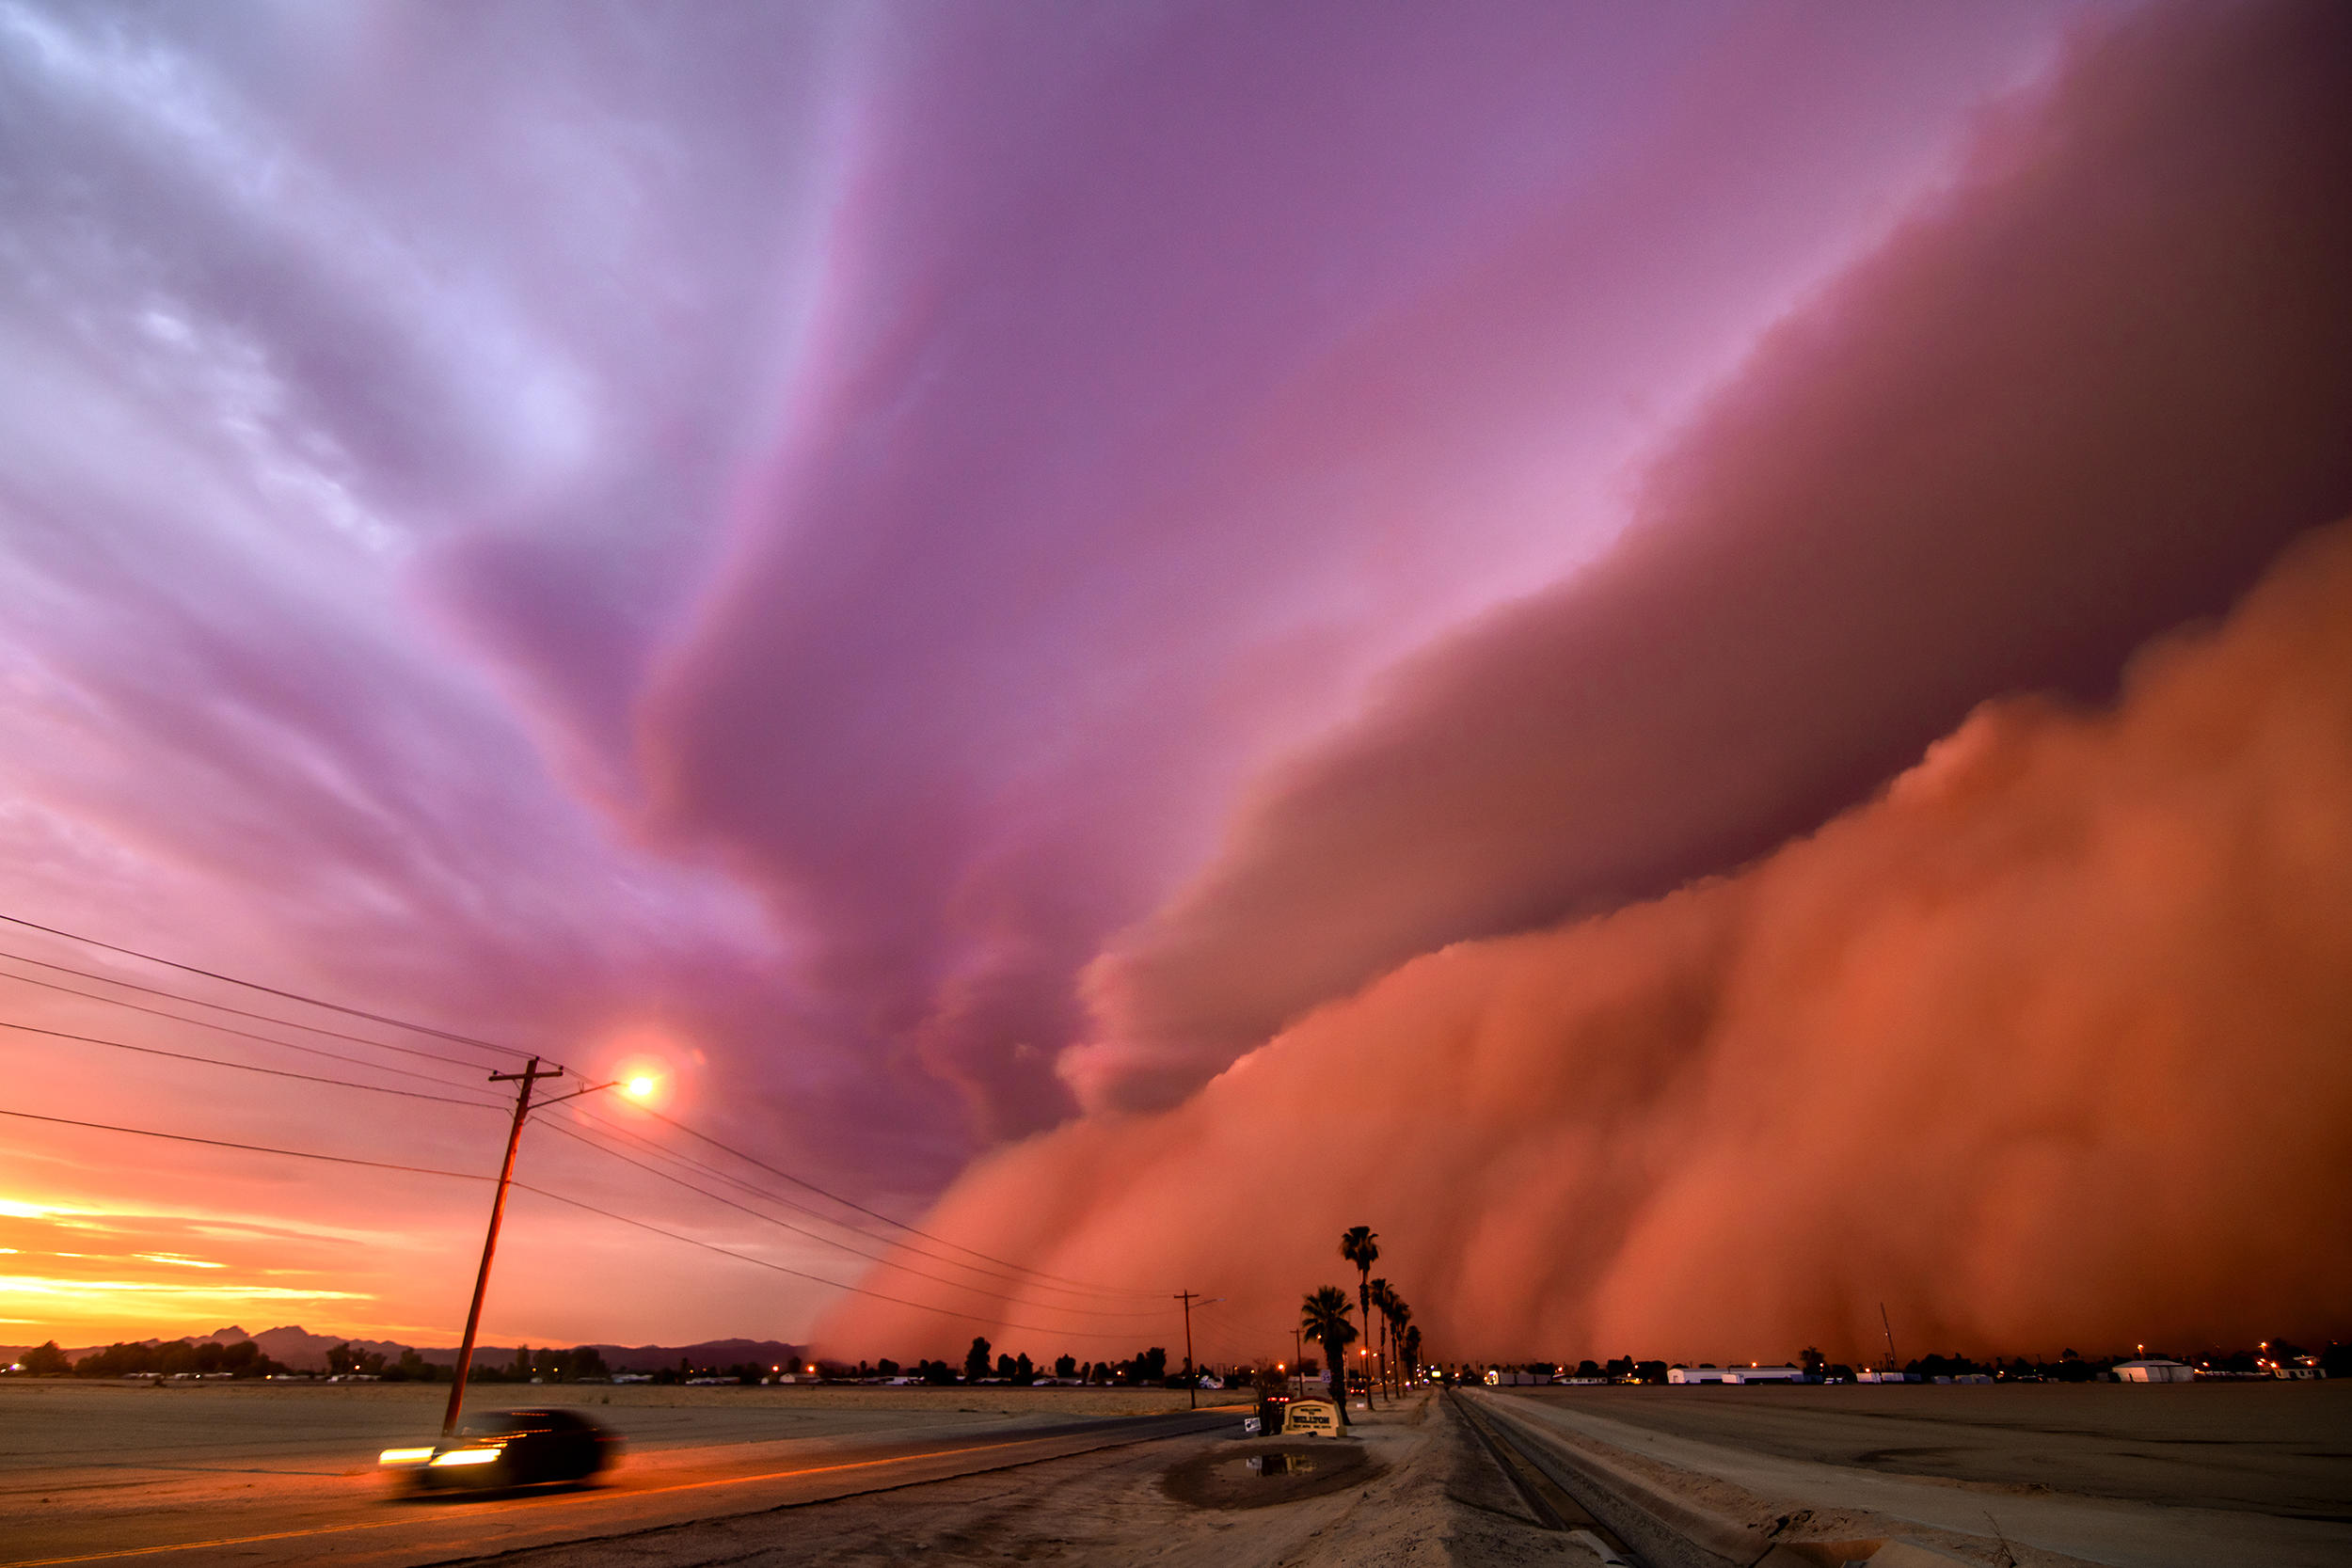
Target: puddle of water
{"x":1280,"y":1464}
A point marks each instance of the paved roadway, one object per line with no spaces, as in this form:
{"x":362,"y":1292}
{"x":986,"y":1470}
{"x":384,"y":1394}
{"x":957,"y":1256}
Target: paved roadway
{"x":204,"y":1476}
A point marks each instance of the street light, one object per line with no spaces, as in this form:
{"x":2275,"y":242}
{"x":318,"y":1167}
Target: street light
{"x":531,"y":1074}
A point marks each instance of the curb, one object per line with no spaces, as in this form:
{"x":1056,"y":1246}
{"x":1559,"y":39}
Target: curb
{"x":1718,"y":1537}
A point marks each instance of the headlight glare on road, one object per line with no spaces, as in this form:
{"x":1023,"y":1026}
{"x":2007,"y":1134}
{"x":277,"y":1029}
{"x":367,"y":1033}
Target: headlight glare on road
{"x":466,"y":1456}
{"x":404,"y":1456}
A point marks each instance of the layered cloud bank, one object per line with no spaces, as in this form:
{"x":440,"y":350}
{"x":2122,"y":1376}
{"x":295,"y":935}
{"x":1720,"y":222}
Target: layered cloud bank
{"x":2083,"y":396}
{"x":2041,"y":1046}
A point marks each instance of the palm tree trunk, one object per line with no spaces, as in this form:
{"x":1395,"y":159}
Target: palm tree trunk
{"x":1363,"y":1300}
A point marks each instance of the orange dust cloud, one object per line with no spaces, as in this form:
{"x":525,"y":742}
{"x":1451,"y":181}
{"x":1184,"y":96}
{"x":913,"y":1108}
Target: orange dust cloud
{"x":2044,"y":1046}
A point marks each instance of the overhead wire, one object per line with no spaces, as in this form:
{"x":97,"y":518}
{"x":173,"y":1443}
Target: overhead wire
{"x":1012,"y":1274}
{"x":827,"y":1241}
{"x":989,"y":1318}
{"x":558,"y":1197}
{"x":250,"y":1149}
{"x":241,"y":1034}
{"x":216,"y":1007}
{"x":394,"y":1022}
{"x":901,"y":1225}
{"x":245,"y":1067}
{"x":1022,"y":1271}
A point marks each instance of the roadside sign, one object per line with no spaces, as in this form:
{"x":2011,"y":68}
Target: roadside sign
{"x":1312,"y":1417}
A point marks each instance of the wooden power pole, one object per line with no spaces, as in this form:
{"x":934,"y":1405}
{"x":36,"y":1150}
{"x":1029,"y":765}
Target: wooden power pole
{"x":531,"y":1074}
{"x":1192,"y":1373}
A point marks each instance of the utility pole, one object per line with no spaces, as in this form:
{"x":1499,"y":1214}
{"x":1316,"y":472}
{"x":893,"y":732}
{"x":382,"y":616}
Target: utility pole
{"x":1192,"y":1375}
{"x":1299,"y":1354}
{"x":1890,"y":1337}
{"x":531,"y":1074}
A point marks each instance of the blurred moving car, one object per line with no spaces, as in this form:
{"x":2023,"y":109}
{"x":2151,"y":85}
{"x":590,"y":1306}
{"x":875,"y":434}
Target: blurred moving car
{"x":522,"y":1448}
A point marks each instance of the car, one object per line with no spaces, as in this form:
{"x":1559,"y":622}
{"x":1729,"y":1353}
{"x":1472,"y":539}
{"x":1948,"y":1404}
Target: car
{"x":522,"y":1448}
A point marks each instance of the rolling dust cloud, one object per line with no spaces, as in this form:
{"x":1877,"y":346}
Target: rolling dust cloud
{"x":2083,"y":396}
{"x":2042,"y":1043}
{"x":2044,"y":1046}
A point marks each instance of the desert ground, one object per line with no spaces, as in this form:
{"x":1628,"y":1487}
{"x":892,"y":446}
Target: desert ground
{"x":2165,"y":1475}
{"x":283,"y":1473}
{"x":1659,"y":1478}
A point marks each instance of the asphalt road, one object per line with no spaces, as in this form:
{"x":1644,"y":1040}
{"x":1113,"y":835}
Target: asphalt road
{"x":270,"y":1477}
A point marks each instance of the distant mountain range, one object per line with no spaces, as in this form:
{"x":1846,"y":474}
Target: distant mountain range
{"x":303,"y":1351}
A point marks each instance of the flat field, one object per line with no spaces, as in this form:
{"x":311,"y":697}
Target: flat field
{"x":2169,"y":1476}
{"x":100,"y":1468}
{"x":53,"y":1424}
{"x":2268,"y":1448}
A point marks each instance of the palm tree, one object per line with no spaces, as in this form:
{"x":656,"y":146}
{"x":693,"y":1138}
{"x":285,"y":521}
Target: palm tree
{"x":1322,"y":1318}
{"x":1360,"y":1246}
{"x":1401,"y":1333}
{"x":1381,"y":1299}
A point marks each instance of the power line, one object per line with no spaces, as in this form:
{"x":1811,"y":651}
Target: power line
{"x":216,"y":1007}
{"x":451,"y":1035}
{"x":901,"y":1225}
{"x":225,"y":1029}
{"x":827,"y":1241}
{"x":558,"y":1197}
{"x":1075,"y":1285}
{"x":244,"y":1066}
{"x":1012,"y":1274}
{"x":250,"y":1149}
{"x":859,"y":1289}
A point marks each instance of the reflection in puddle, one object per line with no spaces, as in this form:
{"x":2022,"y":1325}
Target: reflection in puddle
{"x":1280,"y":1464}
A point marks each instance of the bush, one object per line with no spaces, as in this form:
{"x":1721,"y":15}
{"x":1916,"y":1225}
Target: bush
{"x":46,"y":1360}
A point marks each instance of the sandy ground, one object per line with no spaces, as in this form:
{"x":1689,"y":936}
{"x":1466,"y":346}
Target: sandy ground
{"x":2050,"y":1477}
{"x":2268,"y":1448}
{"x":1430,"y":1497}
{"x":2212,"y":1475}
{"x":55,"y":1427}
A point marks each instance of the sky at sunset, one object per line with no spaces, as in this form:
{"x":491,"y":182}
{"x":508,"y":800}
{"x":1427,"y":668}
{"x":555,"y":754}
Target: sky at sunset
{"x":1615,"y":607}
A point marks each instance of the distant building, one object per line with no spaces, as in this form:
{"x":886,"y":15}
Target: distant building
{"x":1735,"y":1374}
{"x":2154,"y":1369}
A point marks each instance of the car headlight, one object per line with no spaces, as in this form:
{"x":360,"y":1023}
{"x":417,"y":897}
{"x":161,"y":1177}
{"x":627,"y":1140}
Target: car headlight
{"x":404,"y":1456}
{"x":466,"y":1456}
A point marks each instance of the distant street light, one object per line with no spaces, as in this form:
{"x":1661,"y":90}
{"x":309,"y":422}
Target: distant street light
{"x":638,"y":1087}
